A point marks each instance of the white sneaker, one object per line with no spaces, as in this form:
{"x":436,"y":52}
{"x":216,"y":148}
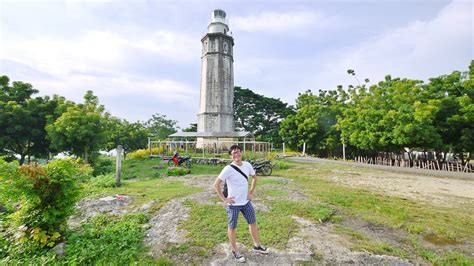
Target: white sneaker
{"x":260,"y":249}
{"x":238,"y":257}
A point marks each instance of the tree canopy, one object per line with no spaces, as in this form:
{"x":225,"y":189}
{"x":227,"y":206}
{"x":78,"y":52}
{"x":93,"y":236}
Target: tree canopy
{"x":391,"y":116}
{"x":23,"y":119}
{"x":259,"y":115}
{"x":81,"y":130}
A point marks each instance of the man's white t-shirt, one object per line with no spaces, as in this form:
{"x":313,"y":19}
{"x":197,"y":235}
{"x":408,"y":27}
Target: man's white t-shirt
{"x":237,"y":185}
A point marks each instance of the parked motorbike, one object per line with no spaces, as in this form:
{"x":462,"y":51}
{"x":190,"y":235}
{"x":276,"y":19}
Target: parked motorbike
{"x":177,"y":160}
{"x":262,"y":167}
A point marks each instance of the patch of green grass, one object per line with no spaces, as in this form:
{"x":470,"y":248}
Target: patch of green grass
{"x":269,"y":181}
{"x":380,"y":248}
{"x":363,"y":243}
{"x":274,"y":192}
{"x":312,"y":211}
{"x":448,"y":258}
{"x":199,"y":169}
{"x":107,"y":240}
{"x":160,"y":190}
{"x":143,"y":168}
{"x":342,"y":230}
{"x":207,"y":227}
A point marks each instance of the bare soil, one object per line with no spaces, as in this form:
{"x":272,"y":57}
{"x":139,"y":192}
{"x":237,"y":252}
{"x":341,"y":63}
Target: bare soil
{"x":439,"y":188}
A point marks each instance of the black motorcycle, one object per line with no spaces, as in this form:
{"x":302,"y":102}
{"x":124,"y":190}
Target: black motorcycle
{"x":262,"y":167}
{"x":177,"y":160}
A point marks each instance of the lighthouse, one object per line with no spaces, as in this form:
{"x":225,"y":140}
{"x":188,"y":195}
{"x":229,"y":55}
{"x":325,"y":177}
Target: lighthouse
{"x":216,"y":114}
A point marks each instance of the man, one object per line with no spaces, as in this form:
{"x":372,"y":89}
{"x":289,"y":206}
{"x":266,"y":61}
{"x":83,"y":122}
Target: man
{"x":238,"y":199}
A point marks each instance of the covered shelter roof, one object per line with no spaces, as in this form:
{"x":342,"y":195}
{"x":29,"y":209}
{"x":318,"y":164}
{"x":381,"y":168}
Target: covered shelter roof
{"x":239,"y":134}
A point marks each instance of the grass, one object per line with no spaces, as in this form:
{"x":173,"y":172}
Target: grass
{"x":102,"y":238}
{"x":105,"y":237}
{"x":363,"y":243}
{"x":143,"y":168}
{"x":143,"y":191}
{"x":207,"y":227}
{"x":394,"y":212}
{"x":442,"y":224}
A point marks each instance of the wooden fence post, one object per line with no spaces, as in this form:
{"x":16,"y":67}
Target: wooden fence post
{"x":118,"y":168}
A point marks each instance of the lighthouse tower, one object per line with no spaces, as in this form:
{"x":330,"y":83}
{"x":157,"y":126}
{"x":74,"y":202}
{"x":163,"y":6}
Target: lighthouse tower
{"x":216,"y":112}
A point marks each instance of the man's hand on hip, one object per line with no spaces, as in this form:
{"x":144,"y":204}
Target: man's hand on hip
{"x":229,"y":200}
{"x":250,"y":196}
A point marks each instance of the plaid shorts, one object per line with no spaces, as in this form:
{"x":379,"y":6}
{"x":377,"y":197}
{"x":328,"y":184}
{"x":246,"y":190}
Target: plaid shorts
{"x":233,"y":214}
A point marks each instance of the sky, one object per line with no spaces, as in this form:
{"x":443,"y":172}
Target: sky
{"x":144,"y":57}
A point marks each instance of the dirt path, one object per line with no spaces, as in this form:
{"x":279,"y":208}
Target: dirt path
{"x":445,"y":189}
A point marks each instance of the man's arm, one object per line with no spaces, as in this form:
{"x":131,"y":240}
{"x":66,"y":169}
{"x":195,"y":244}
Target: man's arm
{"x":217,"y":187}
{"x":252,"y":186}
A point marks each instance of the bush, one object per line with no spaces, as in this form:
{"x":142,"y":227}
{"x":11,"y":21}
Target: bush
{"x":103,"y":165}
{"x":103,"y":181}
{"x":144,"y":153}
{"x":281,"y":165}
{"x":107,"y":240}
{"x":47,"y":196}
{"x":177,"y":171}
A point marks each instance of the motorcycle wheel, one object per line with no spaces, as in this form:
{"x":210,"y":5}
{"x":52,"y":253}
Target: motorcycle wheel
{"x":188,"y":164}
{"x":266,"y":170}
{"x":170,"y":163}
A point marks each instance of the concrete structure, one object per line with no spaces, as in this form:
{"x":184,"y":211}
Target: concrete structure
{"x":216,"y":113}
{"x":215,"y":130}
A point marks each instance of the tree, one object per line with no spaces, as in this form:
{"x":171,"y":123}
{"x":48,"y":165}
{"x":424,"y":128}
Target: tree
{"x":388,"y":117}
{"x":160,"y":127}
{"x":259,"y":114}
{"x":81,"y":130}
{"x":132,"y":136}
{"x":314,"y":122}
{"x":23,"y":120}
{"x":191,"y":128}
{"x":454,"y":94}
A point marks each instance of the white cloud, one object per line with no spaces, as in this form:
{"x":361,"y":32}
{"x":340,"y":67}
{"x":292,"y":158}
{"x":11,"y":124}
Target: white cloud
{"x":118,"y":86}
{"x":94,"y":50}
{"x":168,"y":44}
{"x":419,"y":50}
{"x":275,"y":22}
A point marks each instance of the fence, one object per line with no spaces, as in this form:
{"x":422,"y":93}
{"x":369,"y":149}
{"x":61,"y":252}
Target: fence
{"x":452,"y":166}
{"x":207,"y":148}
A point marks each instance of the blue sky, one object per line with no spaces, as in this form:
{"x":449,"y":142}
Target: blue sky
{"x":143,"y":57}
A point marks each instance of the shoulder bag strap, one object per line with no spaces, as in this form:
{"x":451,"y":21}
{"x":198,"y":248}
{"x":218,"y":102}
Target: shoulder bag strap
{"x":238,"y":170}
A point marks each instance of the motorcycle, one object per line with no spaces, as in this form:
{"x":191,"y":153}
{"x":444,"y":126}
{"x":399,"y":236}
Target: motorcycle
{"x":177,"y":160}
{"x":262,"y":167}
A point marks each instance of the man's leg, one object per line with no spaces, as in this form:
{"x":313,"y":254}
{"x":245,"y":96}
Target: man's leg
{"x":249,"y":214}
{"x":233,"y":215}
{"x":232,"y":238}
{"x":254,"y":233}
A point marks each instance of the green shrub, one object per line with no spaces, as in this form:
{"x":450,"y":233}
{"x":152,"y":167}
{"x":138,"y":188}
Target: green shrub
{"x":177,"y":171}
{"x":281,"y":165}
{"x":103,"y":165}
{"x":103,"y":181}
{"x":107,"y":240}
{"x":47,"y":196}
